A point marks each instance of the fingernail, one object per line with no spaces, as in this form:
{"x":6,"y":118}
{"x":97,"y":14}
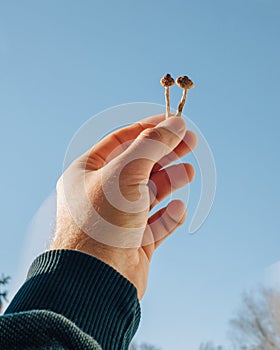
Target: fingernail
{"x":175,"y":124}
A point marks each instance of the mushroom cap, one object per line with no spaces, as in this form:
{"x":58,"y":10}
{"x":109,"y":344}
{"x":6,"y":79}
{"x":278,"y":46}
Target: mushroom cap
{"x":184,"y":82}
{"x":167,"y":80}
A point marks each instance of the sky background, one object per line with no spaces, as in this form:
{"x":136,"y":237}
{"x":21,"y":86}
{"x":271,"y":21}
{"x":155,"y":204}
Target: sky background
{"x":63,"y":62}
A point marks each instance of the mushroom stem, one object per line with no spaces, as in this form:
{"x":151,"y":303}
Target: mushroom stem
{"x":167,"y":102}
{"x":182,"y":103}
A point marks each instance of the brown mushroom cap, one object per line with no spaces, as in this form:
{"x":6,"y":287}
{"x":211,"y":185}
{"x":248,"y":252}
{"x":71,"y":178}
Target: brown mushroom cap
{"x":184,"y":82}
{"x":167,"y":80}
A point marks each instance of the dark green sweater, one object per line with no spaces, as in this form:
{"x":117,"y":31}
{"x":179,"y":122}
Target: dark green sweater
{"x":71,"y":300}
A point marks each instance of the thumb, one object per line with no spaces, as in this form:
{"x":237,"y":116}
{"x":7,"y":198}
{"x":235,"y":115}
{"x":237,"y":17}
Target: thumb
{"x":151,"y":145}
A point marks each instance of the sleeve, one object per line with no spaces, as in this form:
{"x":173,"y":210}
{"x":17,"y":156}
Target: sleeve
{"x":71,"y":300}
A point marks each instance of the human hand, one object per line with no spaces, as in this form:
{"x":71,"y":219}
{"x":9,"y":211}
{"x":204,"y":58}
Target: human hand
{"x":104,"y":197}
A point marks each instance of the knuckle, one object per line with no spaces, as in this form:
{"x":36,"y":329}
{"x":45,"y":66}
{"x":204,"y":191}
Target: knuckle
{"x":152,"y":133}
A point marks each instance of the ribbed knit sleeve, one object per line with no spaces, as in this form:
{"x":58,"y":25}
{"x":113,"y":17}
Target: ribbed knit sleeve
{"x":84,"y":290}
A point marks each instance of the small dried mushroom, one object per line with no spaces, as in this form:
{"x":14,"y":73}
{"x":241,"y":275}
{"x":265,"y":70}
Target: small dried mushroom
{"x":167,"y":81}
{"x":185,"y":83}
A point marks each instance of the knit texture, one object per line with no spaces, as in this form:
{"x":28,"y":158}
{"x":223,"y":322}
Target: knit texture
{"x":42,"y":330}
{"x":71,"y":297}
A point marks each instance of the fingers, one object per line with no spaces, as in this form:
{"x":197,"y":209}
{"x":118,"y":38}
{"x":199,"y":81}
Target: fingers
{"x":162,"y":224}
{"x":151,"y":146}
{"x":168,"y":180}
{"x":113,"y":144}
{"x":188,"y":144}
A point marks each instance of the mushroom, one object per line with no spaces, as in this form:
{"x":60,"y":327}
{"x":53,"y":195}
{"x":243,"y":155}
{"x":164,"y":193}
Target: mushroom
{"x":167,"y":81}
{"x":185,"y":83}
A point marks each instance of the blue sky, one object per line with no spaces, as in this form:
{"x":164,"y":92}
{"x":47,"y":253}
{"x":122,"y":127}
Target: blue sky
{"x":63,"y":62}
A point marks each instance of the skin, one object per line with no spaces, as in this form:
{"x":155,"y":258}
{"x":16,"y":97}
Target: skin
{"x":140,"y":174}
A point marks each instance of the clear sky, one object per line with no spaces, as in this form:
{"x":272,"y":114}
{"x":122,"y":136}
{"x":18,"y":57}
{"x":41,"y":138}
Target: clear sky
{"x":62,"y":62}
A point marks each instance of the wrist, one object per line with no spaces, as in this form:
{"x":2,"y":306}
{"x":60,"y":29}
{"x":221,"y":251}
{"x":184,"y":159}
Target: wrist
{"x":70,"y":237}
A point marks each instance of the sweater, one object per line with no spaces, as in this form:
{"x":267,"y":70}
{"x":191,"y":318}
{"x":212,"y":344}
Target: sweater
{"x":71,"y":300}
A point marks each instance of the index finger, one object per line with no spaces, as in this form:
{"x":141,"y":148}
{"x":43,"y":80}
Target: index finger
{"x":99,"y":153}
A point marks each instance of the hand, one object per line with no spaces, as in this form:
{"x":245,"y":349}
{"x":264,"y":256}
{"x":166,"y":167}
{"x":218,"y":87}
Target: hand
{"x":104,"y":197}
